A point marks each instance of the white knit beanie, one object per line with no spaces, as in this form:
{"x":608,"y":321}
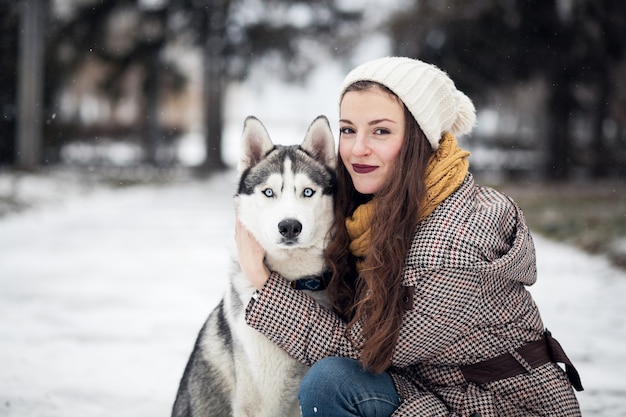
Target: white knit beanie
{"x":428,"y":93}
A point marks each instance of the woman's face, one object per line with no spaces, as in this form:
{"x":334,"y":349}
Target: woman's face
{"x":371,"y":132}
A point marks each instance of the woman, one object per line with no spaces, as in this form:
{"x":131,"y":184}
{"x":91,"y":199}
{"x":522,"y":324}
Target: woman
{"x":430,"y":314}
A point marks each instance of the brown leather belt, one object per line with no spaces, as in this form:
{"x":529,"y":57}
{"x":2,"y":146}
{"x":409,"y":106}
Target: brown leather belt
{"x":524,"y":359}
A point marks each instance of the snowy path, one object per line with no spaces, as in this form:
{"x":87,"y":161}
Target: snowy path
{"x":101,"y":297}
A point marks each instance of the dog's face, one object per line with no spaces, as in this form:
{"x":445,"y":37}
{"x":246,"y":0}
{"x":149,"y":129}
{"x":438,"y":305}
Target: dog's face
{"x":285,"y":195}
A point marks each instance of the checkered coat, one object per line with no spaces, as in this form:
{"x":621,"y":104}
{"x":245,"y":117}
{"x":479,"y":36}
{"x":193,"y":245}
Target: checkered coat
{"x":465,"y":302}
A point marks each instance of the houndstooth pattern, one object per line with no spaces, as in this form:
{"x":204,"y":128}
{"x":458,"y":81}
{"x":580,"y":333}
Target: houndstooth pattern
{"x":468,"y":264}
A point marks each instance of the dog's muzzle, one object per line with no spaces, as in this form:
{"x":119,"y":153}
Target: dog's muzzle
{"x":289,"y":229}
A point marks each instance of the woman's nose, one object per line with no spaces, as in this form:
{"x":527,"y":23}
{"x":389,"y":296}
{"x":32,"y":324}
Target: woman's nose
{"x":361,"y":147}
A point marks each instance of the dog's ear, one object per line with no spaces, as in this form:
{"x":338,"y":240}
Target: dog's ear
{"x":320,"y":142}
{"x":255,"y":143}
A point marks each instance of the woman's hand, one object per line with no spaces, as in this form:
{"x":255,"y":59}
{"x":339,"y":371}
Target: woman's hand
{"x":251,"y":256}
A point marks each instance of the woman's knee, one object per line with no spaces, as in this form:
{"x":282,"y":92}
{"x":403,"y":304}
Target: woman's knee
{"x":326,"y":374}
{"x":339,"y":386}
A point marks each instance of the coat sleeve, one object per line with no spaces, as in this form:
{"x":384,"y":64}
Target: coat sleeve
{"x":444,"y":308}
{"x":298,"y":324}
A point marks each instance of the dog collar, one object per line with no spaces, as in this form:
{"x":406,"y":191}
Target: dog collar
{"x":311,"y":282}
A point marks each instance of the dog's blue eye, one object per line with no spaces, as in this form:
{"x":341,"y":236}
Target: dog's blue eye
{"x":308,"y":192}
{"x":268,"y":192}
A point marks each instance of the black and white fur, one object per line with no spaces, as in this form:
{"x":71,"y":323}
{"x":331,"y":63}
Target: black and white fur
{"x":285,"y":199}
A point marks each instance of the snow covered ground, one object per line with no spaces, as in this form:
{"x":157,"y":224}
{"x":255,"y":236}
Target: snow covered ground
{"x":102,"y":293}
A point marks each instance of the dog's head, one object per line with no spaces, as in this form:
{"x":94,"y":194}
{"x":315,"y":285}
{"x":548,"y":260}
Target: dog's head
{"x":285,"y":194}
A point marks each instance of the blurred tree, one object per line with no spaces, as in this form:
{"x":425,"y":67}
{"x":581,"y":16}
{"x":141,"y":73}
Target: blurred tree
{"x":237,"y":33}
{"x":233,"y":34}
{"x":30,"y":102}
{"x":9,"y":17}
{"x":122,"y":36}
{"x":575,"y":46}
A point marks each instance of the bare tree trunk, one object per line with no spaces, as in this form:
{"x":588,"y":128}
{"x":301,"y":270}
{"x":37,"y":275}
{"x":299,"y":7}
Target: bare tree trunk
{"x":30,"y":107}
{"x":214,"y":85}
{"x":151,"y":131}
{"x":559,"y":158}
{"x":602,"y":159}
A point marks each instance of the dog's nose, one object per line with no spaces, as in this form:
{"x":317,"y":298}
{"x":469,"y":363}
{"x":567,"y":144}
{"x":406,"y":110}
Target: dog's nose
{"x":290,"y":228}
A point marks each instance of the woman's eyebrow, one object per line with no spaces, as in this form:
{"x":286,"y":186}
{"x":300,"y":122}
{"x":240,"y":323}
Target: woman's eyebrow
{"x":373,"y":122}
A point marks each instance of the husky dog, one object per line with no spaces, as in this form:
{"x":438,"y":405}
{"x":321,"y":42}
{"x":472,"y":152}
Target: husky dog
{"x":285,"y":199}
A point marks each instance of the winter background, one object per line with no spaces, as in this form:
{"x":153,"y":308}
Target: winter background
{"x":102,"y":293}
{"x":104,"y":288}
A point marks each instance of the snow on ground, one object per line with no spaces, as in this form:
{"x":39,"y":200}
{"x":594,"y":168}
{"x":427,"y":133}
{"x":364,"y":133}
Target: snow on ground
{"x":102,"y":294}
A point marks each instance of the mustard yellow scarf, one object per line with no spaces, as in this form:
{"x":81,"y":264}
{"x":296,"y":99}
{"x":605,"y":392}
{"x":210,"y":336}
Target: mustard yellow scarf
{"x":445,"y":172}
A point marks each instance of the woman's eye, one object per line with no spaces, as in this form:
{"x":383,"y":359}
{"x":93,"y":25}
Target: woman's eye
{"x":308,"y":192}
{"x":381,"y":131}
{"x":346,"y":130}
{"x":268,"y":192}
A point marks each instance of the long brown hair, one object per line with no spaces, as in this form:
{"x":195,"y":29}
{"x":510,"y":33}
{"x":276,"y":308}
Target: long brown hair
{"x":373,"y":296}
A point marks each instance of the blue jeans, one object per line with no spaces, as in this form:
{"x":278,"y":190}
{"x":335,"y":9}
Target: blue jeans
{"x":338,"y":387}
